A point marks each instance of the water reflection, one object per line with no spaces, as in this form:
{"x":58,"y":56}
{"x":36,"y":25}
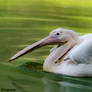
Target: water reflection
{"x":66,"y":84}
{"x":50,"y":82}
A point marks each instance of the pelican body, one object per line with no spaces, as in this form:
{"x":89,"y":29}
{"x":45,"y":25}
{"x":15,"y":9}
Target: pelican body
{"x":71,"y":56}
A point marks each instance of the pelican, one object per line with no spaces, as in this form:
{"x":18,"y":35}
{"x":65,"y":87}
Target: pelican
{"x":71,"y":56}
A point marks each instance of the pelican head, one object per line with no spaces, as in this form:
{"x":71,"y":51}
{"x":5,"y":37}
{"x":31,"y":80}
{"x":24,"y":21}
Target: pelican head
{"x":58,"y":36}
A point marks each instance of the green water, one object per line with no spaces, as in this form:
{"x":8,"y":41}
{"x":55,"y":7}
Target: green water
{"x":23,"y":22}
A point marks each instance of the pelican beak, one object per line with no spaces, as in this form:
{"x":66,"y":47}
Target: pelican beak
{"x":46,"y":41}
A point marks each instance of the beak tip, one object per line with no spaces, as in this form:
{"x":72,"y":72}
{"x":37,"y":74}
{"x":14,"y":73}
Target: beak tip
{"x":9,"y":60}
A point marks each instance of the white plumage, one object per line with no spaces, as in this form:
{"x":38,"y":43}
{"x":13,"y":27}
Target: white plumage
{"x":82,"y":52}
{"x":78,"y":61}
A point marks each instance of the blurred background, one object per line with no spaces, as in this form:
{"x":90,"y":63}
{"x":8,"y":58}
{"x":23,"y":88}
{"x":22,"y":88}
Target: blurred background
{"x":23,"y":22}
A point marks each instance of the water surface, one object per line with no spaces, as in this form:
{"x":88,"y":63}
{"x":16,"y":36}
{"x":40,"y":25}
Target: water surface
{"x":22,"y":22}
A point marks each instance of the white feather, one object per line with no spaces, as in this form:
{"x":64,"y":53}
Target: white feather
{"x":82,"y":52}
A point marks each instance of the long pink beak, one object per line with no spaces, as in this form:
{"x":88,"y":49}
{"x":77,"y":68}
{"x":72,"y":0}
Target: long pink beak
{"x":46,"y":41}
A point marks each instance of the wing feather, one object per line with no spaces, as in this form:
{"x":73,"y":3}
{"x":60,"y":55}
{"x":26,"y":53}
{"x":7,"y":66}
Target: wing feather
{"x":82,"y":53}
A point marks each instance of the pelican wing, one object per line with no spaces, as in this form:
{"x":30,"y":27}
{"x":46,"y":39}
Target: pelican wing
{"x":82,"y":53}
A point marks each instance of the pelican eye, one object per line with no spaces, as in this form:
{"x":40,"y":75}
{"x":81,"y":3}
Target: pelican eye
{"x":57,"y":33}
